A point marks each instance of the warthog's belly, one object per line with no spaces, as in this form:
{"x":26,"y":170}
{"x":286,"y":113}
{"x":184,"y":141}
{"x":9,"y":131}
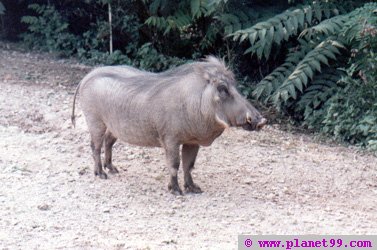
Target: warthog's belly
{"x":204,"y":140}
{"x":135,"y":135}
{"x":143,"y":143}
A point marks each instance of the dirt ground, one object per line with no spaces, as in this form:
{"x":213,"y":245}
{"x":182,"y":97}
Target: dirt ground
{"x":271,"y":182}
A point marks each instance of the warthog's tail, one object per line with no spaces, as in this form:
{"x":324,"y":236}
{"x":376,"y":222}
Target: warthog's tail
{"x":73,"y":118}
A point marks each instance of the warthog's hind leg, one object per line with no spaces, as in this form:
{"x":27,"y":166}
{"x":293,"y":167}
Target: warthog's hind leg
{"x":96,"y":150}
{"x":109,"y":142}
{"x":97,"y":131}
{"x":189,"y":153}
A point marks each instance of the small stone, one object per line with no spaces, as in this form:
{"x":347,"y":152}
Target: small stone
{"x":172,"y":241}
{"x":82,"y":171}
{"x":176,"y":206}
{"x":248,"y":181}
{"x":170,"y":212}
{"x":44,"y":207}
{"x":270,"y":196}
{"x":328,"y":209}
{"x":286,"y":190}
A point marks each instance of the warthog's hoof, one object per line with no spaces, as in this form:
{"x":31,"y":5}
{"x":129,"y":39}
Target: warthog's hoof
{"x":175,"y":189}
{"x":193,"y":188}
{"x":111,"y":168}
{"x":101,"y":175}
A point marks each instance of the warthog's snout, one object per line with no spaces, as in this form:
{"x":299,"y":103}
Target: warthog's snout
{"x":261,"y":123}
{"x":254,"y":123}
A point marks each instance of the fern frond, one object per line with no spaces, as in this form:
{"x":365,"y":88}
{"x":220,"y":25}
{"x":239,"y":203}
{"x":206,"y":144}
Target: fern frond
{"x":351,"y":30}
{"x":236,"y":20}
{"x":272,"y":82}
{"x":262,"y":36}
{"x":200,"y":8}
{"x":156,"y":5}
{"x":231,"y":22}
{"x":170,"y":23}
{"x":304,"y":72}
{"x":327,"y":27}
{"x":320,"y":90}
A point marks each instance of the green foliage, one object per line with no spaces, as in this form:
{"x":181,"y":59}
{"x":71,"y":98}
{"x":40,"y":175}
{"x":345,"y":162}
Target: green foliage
{"x":262,"y":36}
{"x":48,"y":30}
{"x":94,"y":57}
{"x":51,"y":31}
{"x":322,"y":87}
{"x":267,"y":87}
{"x":173,"y":29}
{"x":2,"y":9}
{"x":237,"y":19}
{"x":305,"y":70}
{"x":191,"y":22}
{"x":310,"y":86}
{"x":149,"y":59}
{"x":200,"y":23}
{"x":176,"y":23}
{"x":350,"y":114}
{"x":328,"y":27}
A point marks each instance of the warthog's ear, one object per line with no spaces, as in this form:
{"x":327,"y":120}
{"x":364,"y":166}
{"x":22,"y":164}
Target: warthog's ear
{"x":206,"y":76}
{"x":208,"y":73}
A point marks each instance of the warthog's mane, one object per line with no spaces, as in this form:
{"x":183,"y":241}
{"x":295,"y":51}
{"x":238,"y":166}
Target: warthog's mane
{"x":210,"y":68}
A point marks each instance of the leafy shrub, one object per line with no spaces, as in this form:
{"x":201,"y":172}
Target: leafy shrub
{"x":95,"y":57}
{"x":2,"y":8}
{"x":186,"y":29}
{"x":282,"y":27}
{"x":200,"y":26}
{"x":149,"y":59}
{"x":48,"y":31}
{"x":350,"y":115}
{"x":328,"y":79}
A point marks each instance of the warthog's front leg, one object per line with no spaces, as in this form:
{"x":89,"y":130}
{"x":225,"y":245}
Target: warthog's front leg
{"x":189,"y":153}
{"x":172,"y":160}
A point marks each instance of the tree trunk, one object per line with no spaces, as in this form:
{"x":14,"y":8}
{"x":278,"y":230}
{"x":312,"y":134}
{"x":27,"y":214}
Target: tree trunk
{"x":111,"y":30}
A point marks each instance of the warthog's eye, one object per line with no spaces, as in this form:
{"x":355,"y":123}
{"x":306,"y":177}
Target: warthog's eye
{"x":223,"y":90}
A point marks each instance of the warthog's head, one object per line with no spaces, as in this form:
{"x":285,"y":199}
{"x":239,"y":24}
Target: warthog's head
{"x":231,"y":108}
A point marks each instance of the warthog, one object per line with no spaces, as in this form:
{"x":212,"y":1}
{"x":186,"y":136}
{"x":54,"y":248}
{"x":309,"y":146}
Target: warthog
{"x":190,"y":105}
